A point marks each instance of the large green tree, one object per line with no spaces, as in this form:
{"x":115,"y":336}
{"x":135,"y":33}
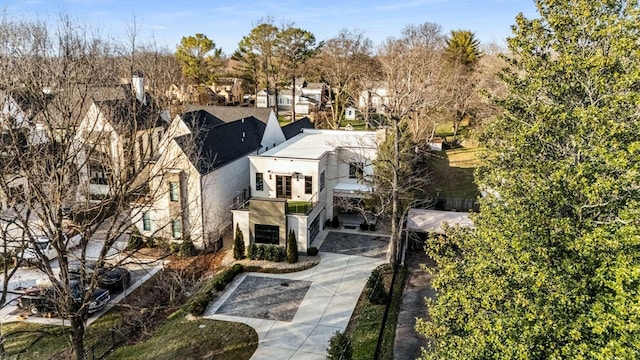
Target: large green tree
{"x":294,"y":47}
{"x":256,"y":52}
{"x":463,"y":47}
{"x":552,"y":269}
{"x":199,"y":57}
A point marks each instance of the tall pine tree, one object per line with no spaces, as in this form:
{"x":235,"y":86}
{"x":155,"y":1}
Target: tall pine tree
{"x":552,"y":269}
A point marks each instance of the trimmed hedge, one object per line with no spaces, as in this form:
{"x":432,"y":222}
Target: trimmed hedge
{"x":266,"y":252}
{"x":200,"y":300}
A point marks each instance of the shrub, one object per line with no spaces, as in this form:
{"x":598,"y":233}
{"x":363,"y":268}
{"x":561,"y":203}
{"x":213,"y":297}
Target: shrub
{"x":339,"y":347}
{"x":135,"y":242}
{"x":327,"y":224}
{"x":372,"y":227}
{"x":174,"y":247}
{"x":312,"y":251}
{"x":292,"y":248}
{"x":335,"y":223}
{"x":251,"y":251}
{"x":187,"y":248}
{"x":375,"y":287}
{"x":260,"y":252}
{"x":238,"y":244}
{"x":200,"y":300}
{"x":364,"y":226}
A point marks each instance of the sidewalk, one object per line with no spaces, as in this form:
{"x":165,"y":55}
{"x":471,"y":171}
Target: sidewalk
{"x":408,"y":343}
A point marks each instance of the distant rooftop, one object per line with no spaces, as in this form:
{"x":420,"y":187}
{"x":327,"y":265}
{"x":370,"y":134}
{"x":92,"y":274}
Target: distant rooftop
{"x":312,"y":143}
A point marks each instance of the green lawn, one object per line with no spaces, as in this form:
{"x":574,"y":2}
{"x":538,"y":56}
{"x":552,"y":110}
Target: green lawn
{"x":453,"y":172}
{"x":179,"y":338}
{"x":365,"y":323}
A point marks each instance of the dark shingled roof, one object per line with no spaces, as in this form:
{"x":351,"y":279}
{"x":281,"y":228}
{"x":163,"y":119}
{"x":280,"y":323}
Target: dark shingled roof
{"x":296,"y":127}
{"x":200,"y":119}
{"x":233,"y":113}
{"x":222,"y":144}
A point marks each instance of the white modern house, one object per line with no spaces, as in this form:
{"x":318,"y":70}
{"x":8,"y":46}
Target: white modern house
{"x":203,"y":171}
{"x":296,"y":185}
{"x":375,"y":98}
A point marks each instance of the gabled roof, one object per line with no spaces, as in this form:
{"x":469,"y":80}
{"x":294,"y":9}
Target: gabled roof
{"x":200,"y":119}
{"x":295,"y":128}
{"x":219,"y":145}
{"x":120,"y":107}
{"x":232,"y":113}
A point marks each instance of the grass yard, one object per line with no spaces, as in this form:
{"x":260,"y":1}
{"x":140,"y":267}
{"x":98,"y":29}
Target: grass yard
{"x":364,"y":327}
{"x":179,"y":338}
{"x":452,"y":172}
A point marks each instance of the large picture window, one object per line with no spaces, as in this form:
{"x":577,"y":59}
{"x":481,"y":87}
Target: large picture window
{"x":259,"y":182}
{"x":173,"y":191}
{"x":308,"y":184}
{"x":267,"y":234}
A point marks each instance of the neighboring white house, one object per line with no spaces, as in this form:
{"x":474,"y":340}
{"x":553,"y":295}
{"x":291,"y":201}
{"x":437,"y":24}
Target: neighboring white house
{"x":295,"y":185}
{"x":374,"y":98}
{"x":118,"y":115}
{"x":205,"y":172}
{"x":308,"y":97}
{"x":350,"y":113}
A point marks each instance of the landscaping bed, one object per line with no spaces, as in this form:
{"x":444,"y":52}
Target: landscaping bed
{"x":366,"y":320}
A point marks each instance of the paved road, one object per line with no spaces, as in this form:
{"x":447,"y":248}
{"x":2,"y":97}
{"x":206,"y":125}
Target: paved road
{"x":324,"y":295}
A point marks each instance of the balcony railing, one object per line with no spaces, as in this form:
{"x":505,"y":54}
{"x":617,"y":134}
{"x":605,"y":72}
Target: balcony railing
{"x":302,"y":207}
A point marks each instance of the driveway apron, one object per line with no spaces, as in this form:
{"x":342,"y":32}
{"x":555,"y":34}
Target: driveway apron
{"x":325,"y":297}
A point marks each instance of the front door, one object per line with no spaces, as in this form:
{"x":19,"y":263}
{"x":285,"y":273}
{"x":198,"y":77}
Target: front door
{"x":283,"y":187}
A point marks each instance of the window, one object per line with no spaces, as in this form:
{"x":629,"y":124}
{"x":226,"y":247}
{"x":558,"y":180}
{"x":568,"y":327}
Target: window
{"x":173,"y":191}
{"x":176,"y":228}
{"x":146,"y":221}
{"x":308,"y":184}
{"x":314,"y":228}
{"x":159,"y":137}
{"x":259,"y":182}
{"x":267,"y":234}
{"x":322,"y":180}
{"x":355,"y":170}
{"x":283,"y":187}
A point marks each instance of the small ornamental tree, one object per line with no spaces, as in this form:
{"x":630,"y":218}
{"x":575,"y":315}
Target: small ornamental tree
{"x":375,"y":287}
{"x":238,"y":244}
{"x":292,"y":248}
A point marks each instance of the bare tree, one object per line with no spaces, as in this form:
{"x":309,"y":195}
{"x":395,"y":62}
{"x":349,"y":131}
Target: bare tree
{"x":87,"y":142}
{"x":344,"y":63}
{"x":411,"y":67}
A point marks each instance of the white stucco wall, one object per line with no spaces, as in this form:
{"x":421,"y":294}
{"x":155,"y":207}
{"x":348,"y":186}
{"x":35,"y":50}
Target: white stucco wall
{"x":272,"y":133}
{"x":241,"y":219}
{"x":219,"y":190}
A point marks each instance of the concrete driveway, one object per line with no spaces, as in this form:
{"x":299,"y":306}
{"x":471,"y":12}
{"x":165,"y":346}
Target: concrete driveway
{"x":296,"y":314}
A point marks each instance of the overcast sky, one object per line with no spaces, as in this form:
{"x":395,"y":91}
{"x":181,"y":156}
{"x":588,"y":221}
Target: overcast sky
{"x":226,"y":22}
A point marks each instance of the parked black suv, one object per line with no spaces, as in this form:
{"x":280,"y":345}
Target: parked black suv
{"x":110,"y":278}
{"x":42,"y":299}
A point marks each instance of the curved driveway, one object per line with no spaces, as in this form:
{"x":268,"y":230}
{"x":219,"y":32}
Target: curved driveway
{"x":324,"y":296}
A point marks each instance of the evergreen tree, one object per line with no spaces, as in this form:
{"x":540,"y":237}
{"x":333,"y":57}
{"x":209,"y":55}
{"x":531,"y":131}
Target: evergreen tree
{"x":238,"y":244}
{"x":552,"y":268}
{"x":292,"y":247}
{"x":463,"y":48}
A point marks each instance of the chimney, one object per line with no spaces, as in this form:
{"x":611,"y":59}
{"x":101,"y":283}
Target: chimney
{"x":137,"y":84}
